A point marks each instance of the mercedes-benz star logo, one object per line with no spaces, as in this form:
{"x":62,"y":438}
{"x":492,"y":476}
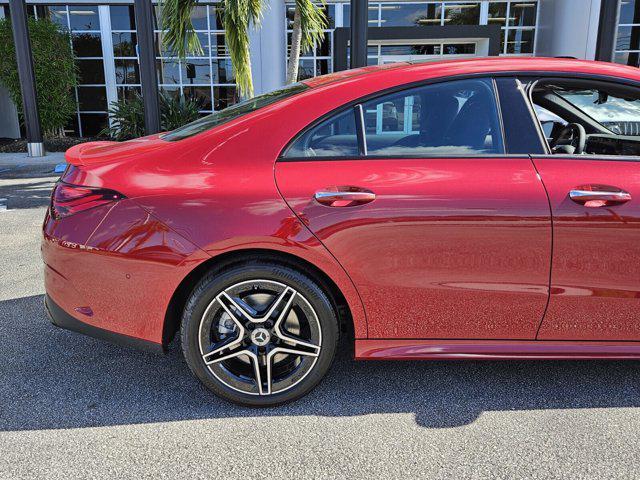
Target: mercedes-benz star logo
{"x":260,"y":337}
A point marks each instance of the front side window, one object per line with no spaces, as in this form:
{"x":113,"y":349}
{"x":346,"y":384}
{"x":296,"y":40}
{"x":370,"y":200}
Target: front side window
{"x":550,"y":122}
{"x":581,"y":117}
{"x":620,"y":115}
{"x":451,"y":118}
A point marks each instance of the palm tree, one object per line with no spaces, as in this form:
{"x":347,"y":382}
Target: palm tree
{"x":308,"y":25}
{"x":309,"y":22}
{"x":237,"y":17}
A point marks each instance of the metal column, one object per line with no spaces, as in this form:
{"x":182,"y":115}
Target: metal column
{"x":609,"y":10}
{"x":359,"y":25}
{"x":35,"y":145}
{"x":146,"y":49}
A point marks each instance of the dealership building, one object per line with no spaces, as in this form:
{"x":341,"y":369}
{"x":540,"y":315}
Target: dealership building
{"x":106,"y":40}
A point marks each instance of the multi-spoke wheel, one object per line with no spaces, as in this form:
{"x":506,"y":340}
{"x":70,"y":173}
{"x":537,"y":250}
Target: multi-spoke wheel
{"x":259,"y":334}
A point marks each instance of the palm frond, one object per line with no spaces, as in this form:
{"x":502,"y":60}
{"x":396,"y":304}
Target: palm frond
{"x":238,"y":17}
{"x":179,"y":35}
{"x":313,"y":21}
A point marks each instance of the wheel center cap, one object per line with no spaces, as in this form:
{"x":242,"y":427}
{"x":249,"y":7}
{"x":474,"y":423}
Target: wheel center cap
{"x":260,"y":337}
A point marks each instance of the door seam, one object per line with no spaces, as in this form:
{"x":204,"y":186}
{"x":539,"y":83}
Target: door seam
{"x":546,"y":192}
{"x":364,"y":310}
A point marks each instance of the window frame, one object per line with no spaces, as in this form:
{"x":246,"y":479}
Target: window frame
{"x":360,"y":127}
{"x":518,"y":110}
{"x":525,"y":77}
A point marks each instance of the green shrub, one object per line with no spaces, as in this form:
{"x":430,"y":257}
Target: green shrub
{"x":55,"y":72}
{"x":126,"y":119}
{"x":127,"y":116}
{"x":176,"y":111}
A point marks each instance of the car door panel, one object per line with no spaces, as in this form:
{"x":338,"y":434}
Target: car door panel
{"x":595,"y":279}
{"x":449,"y":248}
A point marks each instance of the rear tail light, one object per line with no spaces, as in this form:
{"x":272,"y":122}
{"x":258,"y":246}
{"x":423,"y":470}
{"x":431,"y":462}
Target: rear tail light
{"x":68,"y":199}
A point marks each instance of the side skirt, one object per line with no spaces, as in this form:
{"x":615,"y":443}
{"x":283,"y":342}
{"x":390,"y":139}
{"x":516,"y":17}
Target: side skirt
{"x":416,"y":349}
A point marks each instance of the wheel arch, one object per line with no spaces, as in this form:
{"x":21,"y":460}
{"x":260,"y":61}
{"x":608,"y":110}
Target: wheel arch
{"x":173,"y":315}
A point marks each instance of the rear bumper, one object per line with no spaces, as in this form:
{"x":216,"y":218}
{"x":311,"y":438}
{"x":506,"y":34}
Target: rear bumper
{"x":112,"y":274}
{"x":64,"y":320}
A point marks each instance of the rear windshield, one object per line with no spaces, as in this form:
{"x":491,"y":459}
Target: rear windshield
{"x":233,"y":112}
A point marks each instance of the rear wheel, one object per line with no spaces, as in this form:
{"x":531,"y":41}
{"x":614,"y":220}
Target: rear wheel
{"x":259,"y":334}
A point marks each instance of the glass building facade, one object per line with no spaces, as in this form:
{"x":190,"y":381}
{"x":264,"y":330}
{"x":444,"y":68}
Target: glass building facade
{"x":517,"y":19}
{"x":103,"y":39}
{"x":628,"y":34}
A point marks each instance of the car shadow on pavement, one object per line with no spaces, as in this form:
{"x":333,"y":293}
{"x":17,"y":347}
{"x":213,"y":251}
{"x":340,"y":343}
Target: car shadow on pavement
{"x":30,"y":194}
{"x":53,"y":379}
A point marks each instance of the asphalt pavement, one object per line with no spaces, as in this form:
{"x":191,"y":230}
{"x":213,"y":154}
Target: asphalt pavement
{"x":75,"y":407}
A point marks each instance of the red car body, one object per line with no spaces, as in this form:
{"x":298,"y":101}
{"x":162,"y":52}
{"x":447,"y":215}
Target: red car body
{"x":456,"y":258}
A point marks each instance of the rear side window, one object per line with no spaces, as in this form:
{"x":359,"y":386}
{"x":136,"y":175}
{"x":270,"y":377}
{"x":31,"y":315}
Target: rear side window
{"x":459,"y":117}
{"x":335,"y":137}
{"x":451,"y":118}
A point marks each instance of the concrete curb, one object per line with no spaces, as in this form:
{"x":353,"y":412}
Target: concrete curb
{"x":21,"y":159}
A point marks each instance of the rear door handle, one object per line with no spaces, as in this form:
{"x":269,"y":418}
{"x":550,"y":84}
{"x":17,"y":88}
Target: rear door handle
{"x":599,"y":195}
{"x":344,"y":196}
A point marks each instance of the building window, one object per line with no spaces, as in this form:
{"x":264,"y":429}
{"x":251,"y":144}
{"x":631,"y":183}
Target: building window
{"x":517,"y":19}
{"x":389,"y":53}
{"x":628,"y":35}
{"x":407,"y":14}
{"x":83,"y":22}
{"x":207,"y":78}
{"x":518,"y":22}
{"x":125,"y":55}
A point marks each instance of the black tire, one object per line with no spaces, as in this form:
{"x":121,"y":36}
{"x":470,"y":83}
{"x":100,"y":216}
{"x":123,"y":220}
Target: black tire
{"x":207,"y":294}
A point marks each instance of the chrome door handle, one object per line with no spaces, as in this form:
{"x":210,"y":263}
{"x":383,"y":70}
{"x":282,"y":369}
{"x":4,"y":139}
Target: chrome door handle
{"x":347,"y":197}
{"x":599,"y":195}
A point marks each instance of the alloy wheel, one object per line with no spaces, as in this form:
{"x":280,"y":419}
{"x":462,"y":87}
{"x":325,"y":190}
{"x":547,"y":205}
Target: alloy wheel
{"x":260,"y":337}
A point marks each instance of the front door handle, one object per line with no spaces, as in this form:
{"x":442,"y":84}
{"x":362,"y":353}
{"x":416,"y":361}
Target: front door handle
{"x":599,"y":195}
{"x":344,"y":196}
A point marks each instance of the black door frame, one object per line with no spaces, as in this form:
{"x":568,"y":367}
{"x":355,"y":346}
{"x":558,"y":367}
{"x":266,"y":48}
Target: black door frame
{"x":341,"y":37}
{"x":607,"y":29}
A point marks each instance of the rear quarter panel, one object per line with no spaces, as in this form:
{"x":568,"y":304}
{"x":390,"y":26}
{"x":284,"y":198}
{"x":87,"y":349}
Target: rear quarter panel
{"x":217,"y":191}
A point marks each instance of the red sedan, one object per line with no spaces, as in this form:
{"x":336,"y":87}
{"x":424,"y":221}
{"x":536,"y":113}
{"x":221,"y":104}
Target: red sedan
{"x":468,"y":209}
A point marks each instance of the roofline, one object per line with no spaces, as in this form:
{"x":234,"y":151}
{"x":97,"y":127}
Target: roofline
{"x":489,"y":65}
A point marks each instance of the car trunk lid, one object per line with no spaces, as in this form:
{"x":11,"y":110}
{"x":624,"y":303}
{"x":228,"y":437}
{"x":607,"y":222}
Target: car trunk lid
{"x":92,"y":153}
